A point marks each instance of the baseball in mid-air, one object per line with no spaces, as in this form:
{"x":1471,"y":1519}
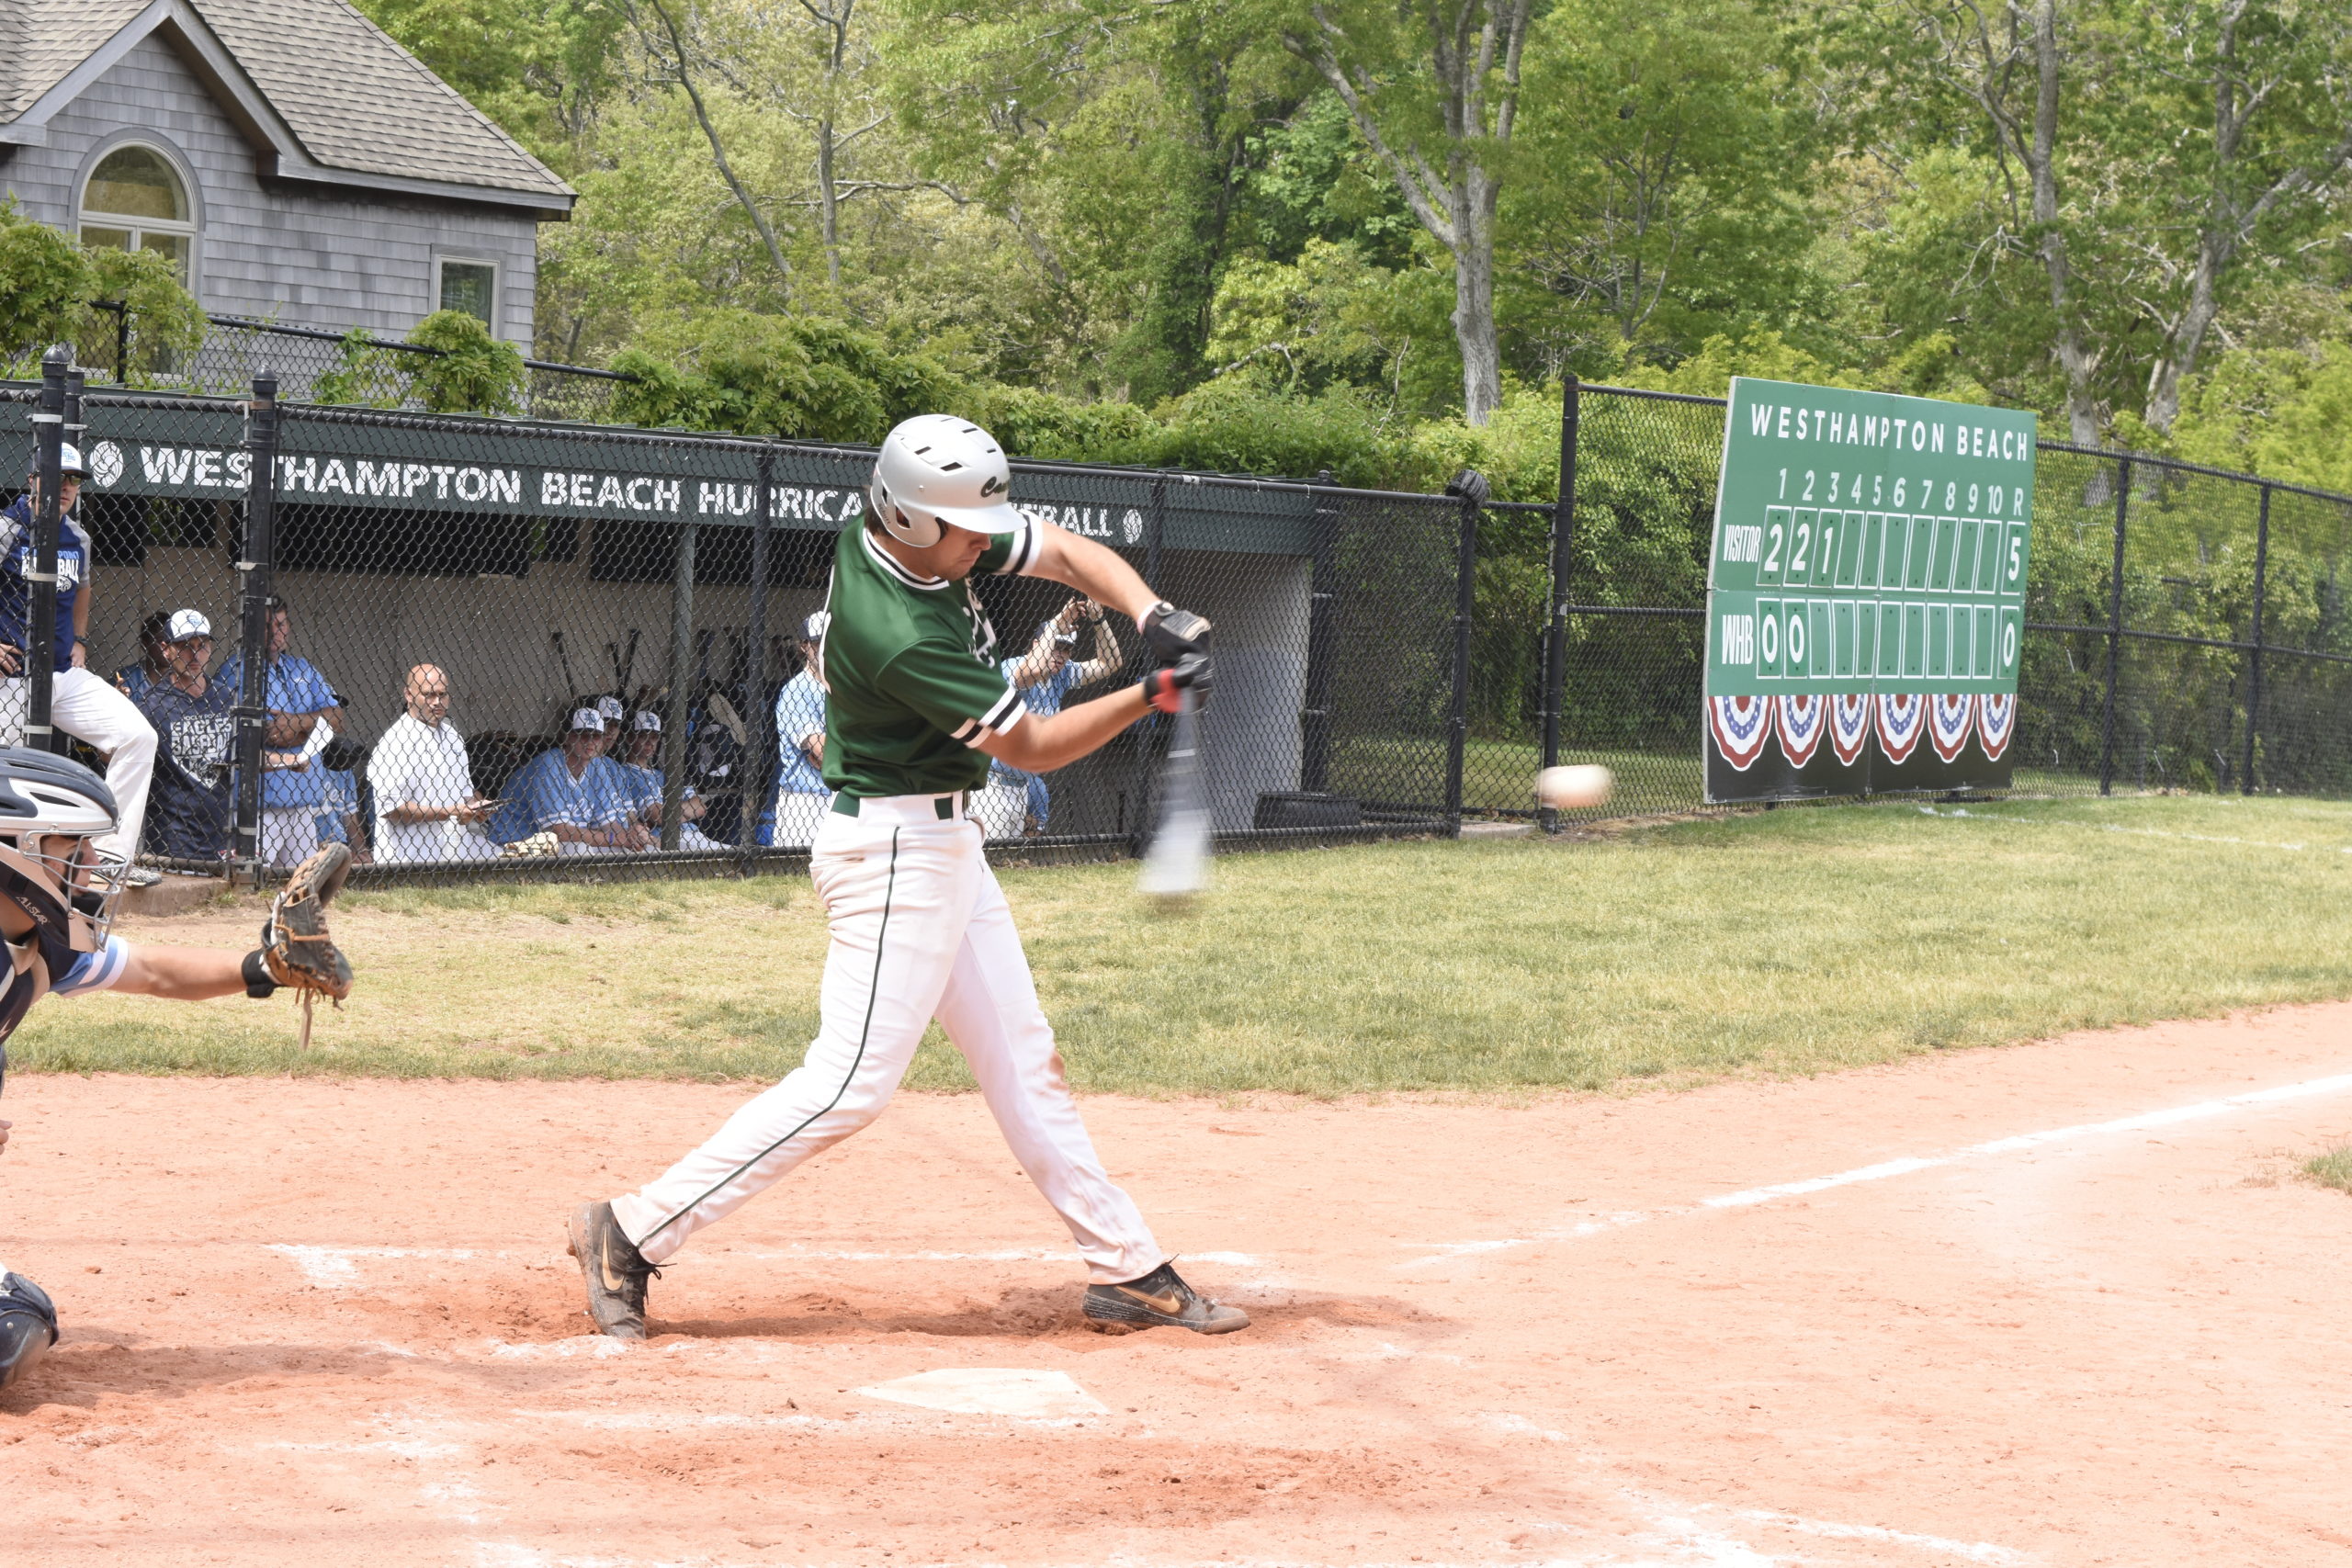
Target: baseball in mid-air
{"x":1565,"y":789}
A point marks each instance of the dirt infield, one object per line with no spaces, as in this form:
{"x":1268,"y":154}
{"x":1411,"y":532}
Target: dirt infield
{"x":331,"y":1321}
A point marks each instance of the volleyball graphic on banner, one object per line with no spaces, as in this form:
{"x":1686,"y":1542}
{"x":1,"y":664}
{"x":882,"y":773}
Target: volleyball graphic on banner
{"x":1950,"y":716}
{"x":1742,"y":726}
{"x":1801,"y":721}
{"x":1902,"y":717}
{"x":1997,"y":719}
{"x":1849,"y":725}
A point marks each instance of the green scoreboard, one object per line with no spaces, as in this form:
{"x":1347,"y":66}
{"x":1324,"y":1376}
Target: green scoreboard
{"x":1865,"y":592}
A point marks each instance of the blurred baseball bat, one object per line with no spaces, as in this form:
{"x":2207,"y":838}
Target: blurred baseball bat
{"x":1176,"y":866}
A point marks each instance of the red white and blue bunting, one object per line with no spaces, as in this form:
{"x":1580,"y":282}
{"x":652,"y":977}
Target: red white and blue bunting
{"x":1902,"y":717}
{"x":1997,"y":720}
{"x":1741,"y":727}
{"x":1849,"y":725}
{"x":1802,"y":720}
{"x":1950,"y":716}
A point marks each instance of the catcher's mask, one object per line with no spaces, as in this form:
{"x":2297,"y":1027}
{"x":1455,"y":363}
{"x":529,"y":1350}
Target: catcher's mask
{"x":50,"y":808}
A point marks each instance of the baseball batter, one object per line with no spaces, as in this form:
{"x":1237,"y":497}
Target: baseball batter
{"x":918,"y":707}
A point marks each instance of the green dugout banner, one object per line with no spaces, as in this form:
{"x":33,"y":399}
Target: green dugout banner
{"x":495,"y":467}
{"x":1865,"y":593}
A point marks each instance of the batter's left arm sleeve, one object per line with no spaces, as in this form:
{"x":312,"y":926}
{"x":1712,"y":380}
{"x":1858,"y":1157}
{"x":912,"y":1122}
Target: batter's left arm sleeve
{"x":1013,"y":554}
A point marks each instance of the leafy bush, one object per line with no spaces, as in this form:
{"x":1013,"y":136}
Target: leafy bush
{"x":798,"y":376}
{"x":366,"y":375}
{"x":472,"y":372}
{"x":49,"y":282}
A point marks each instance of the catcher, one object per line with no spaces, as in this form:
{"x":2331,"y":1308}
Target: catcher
{"x":58,"y":896}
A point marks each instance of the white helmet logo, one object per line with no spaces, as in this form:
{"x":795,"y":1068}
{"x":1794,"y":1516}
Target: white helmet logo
{"x":105,"y":464}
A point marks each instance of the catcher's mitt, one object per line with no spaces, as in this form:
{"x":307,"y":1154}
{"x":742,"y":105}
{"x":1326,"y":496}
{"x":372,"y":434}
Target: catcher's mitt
{"x":295,"y":946}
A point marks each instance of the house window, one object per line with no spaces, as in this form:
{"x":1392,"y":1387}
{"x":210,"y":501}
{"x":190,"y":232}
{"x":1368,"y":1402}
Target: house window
{"x":471,"y":286}
{"x":136,"y":201}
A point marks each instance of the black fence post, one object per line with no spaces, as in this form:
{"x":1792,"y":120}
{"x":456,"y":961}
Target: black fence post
{"x":1471,"y":488}
{"x":1155,"y":529}
{"x":760,"y":723}
{"x":2114,"y":626}
{"x":673,"y":722}
{"x":49,"y":521}
{"x":1322,"y":639}
{"x":2254,"y":654}
{"x":1556,"y":627}
{"x":251,"y":712}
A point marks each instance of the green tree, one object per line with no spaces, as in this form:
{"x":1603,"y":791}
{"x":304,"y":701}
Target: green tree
{"x":1662,"y":187}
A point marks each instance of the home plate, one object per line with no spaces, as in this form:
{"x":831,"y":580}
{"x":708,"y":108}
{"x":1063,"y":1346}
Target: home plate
{"x":991,"y":1391}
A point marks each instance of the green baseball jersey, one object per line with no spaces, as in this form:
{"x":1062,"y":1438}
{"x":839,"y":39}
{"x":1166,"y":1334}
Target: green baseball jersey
{"x":911,"y":667}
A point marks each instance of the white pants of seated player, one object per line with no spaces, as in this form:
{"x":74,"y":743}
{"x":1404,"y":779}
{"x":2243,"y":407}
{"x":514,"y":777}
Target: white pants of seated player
{"x":89,"y":707}
{"x":920,"y":930}
{"x":288,"y":833}
{"x":1003,"y":808}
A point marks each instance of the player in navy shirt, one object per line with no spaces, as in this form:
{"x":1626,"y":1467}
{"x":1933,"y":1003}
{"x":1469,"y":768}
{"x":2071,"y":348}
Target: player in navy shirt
{"x":82,"y":701}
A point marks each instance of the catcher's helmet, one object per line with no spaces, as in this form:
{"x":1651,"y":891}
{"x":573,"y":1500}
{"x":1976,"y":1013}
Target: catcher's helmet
{"x":935,"y":471}
{"x":44,"y":798}
{"x":28,"y":1326}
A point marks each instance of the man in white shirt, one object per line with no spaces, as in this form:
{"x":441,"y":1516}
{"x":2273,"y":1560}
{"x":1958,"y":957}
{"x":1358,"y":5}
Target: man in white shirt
{"x":426,"y":809}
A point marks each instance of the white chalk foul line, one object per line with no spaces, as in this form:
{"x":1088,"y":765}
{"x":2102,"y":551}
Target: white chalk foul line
{"x":2311,"y":1088}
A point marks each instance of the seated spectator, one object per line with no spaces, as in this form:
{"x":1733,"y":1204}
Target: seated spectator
{"x":305,"y":714}
{"x":1017,"y":802}
{"x":574,"y":791}
{"x":132,"y":680}
{"x":193,"y":734}
{"x":802,"y":797}
{"x":641,"y":750}
{"x":426,"y":805}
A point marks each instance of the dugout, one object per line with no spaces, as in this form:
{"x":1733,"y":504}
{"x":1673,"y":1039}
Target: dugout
{"x":509,"y":553}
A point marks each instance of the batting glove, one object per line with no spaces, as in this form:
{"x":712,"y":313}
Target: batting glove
{"x":1164,"y":689}
{"x":1173,"y":633}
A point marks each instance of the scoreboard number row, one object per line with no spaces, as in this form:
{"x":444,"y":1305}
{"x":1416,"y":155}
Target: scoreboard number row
{"x":1847,"y":640}
{"x":1807,"y":547}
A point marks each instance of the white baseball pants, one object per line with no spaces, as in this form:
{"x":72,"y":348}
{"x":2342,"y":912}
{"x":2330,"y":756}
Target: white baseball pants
{"x":920,"y":930}
{"x":288,"y":833}
{"x":89,"y":707}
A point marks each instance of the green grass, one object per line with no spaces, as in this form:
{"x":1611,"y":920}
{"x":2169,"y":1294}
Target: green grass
{"x":2333,"y":1168}
{"x":1500,"y":775}
{"x":1798,"y":940}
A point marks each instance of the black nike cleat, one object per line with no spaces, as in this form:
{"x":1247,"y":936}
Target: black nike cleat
{"x":1160,"y":1297}
{"x":615,"y":1269}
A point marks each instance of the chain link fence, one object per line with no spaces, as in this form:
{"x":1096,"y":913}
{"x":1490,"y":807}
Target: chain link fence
{"x":315,"y":365}
{"x":502,"y":649}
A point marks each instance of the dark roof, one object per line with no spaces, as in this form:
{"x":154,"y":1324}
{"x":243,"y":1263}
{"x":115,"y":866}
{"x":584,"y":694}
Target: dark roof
{"x":319,"y":85}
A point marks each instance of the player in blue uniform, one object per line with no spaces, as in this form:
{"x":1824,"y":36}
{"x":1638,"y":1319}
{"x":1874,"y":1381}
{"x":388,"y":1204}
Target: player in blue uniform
{"x":574,"y":791}
{"x":82,"y":701}
{"x":58,"y":895}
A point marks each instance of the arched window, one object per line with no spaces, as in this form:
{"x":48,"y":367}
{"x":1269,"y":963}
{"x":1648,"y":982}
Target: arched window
{"x":135,"y":201}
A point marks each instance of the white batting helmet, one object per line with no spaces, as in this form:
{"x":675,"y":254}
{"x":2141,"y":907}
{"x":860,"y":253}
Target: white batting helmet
{"x":45,"y":797}
{"x":935,"y":470}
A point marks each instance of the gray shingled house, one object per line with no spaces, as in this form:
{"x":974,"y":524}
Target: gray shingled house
{"x":294,"y":161}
